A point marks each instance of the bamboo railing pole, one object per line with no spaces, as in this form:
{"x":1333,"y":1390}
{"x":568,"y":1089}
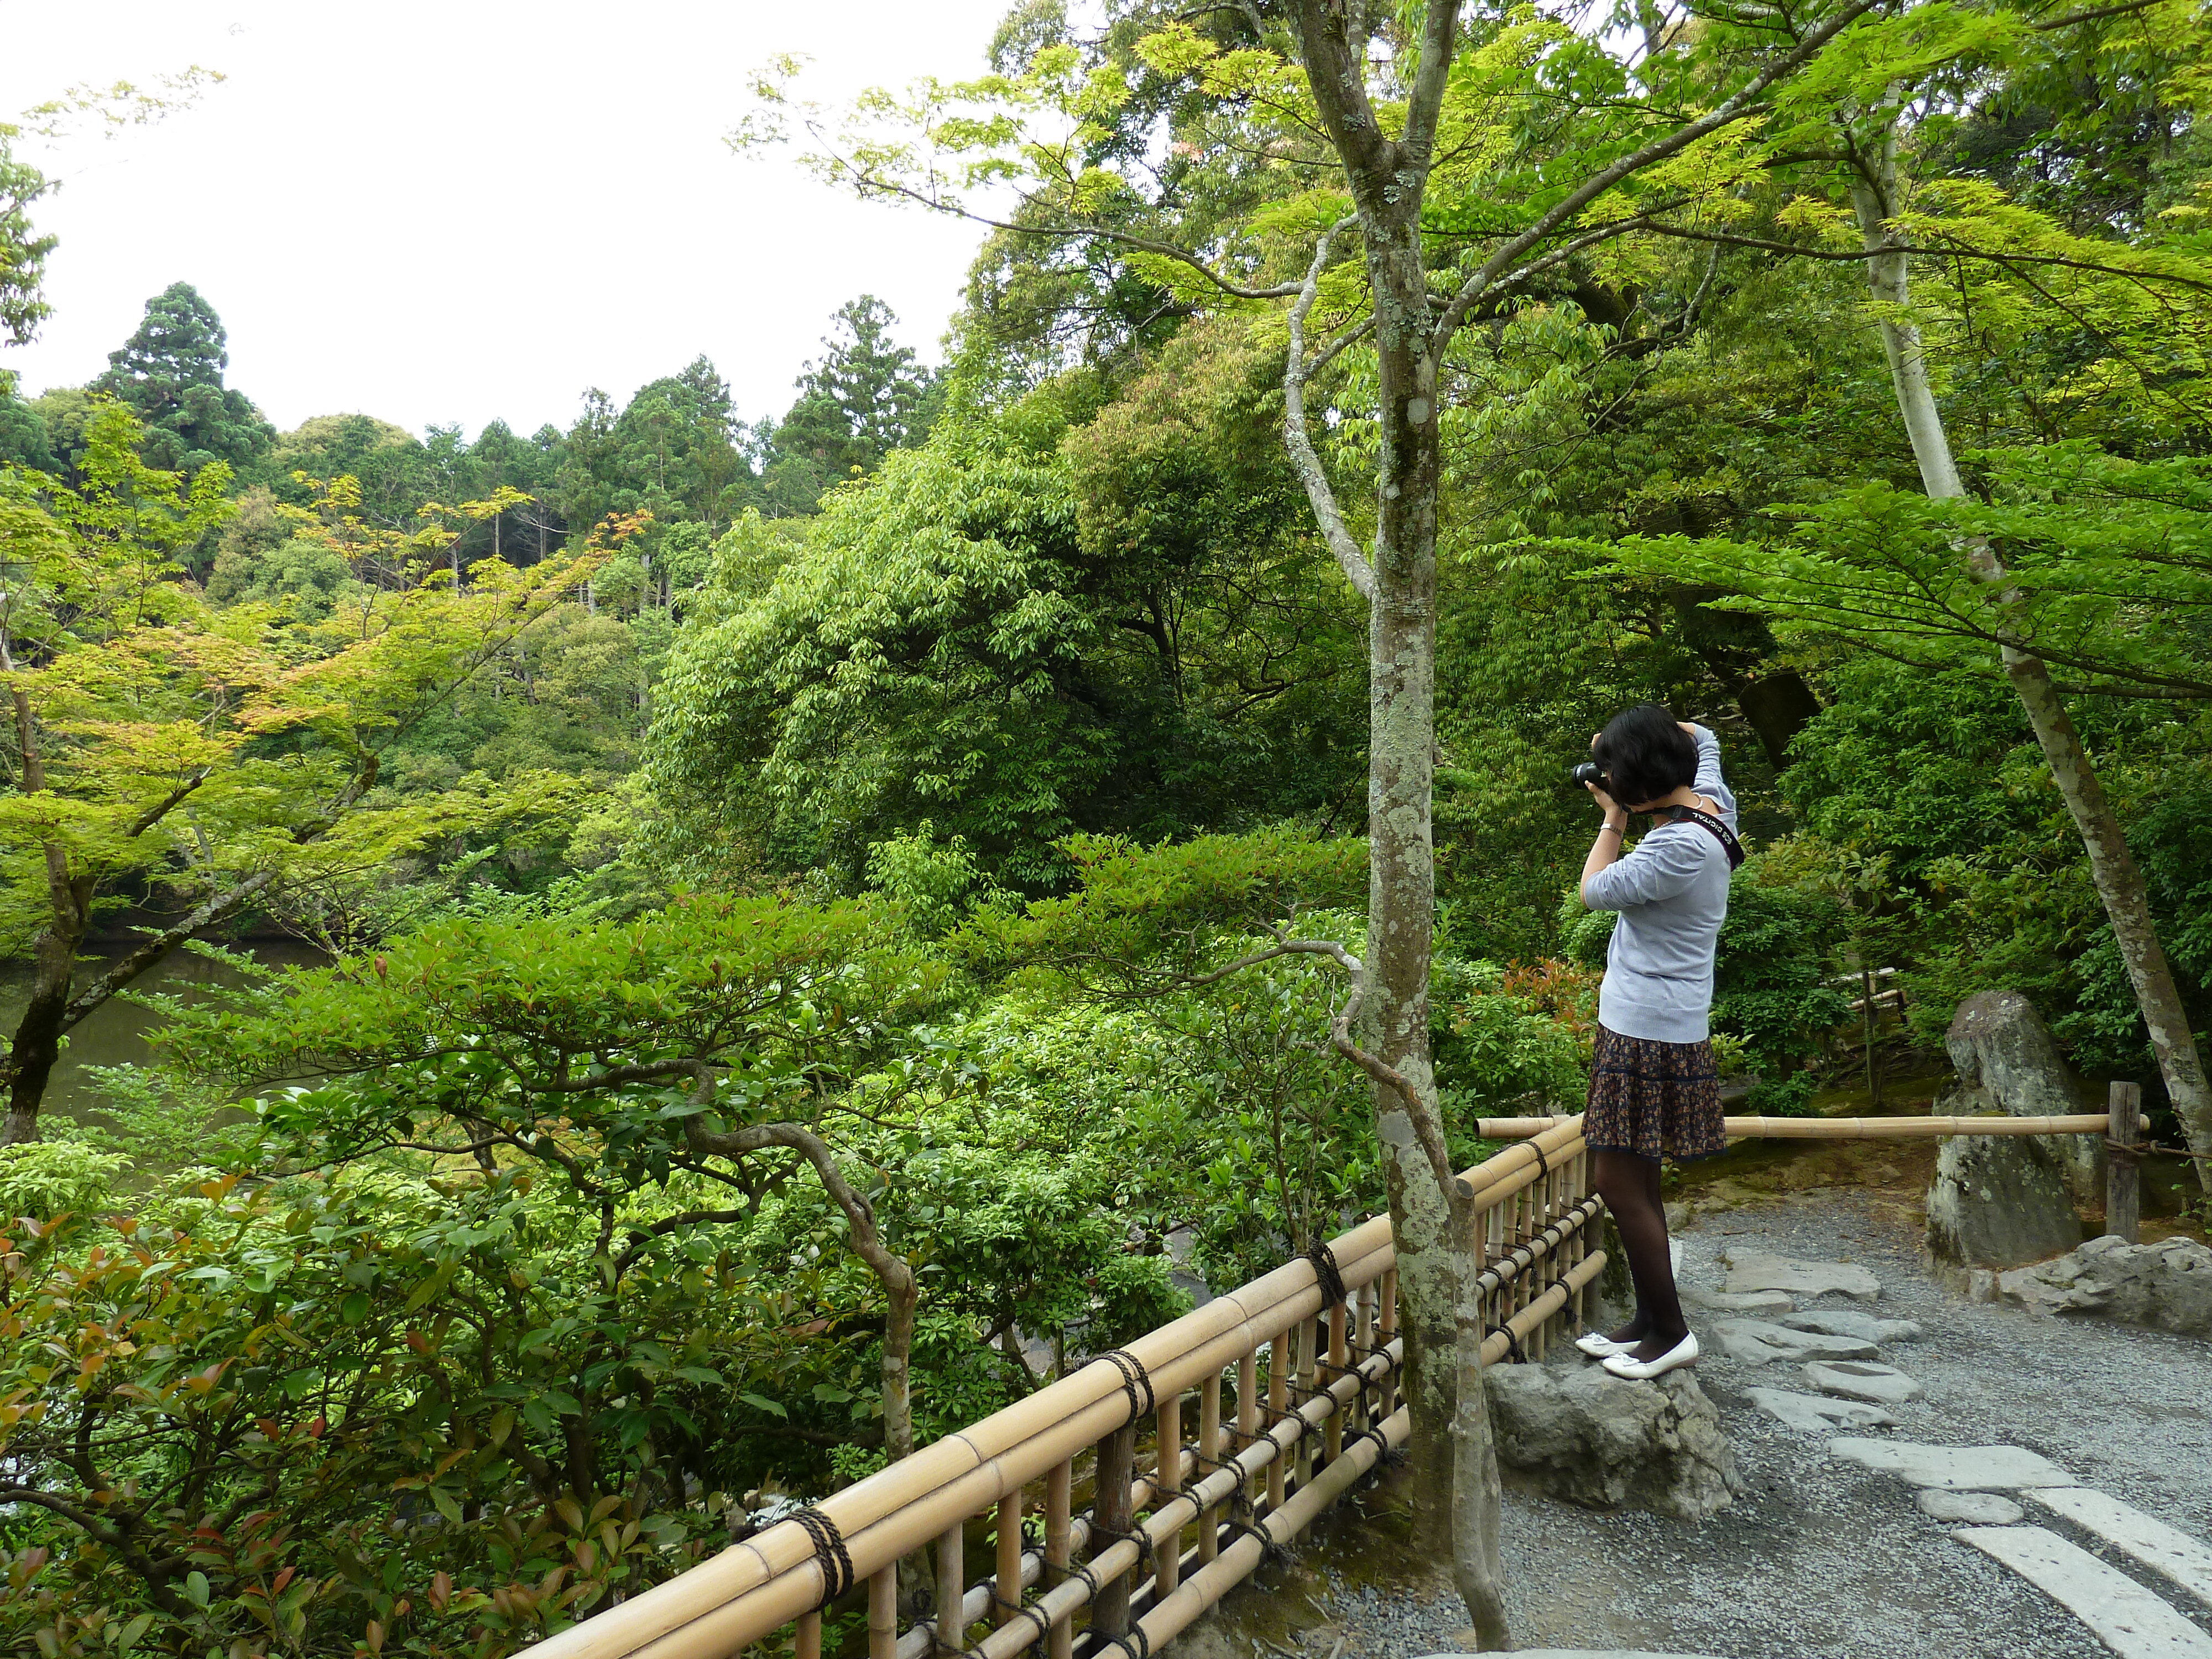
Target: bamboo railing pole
{"x":1386,"y":1329}
{"x":2123,"y":1180}
{"x":1171,"y":1615}
{"x":1307,"y":1373}
{"x":1278,"y":1378}
{"x":1523,"y":1129}
{"x":1170,"y":1479}
{"x":1332,"y":1439}
{"x":1248,"y":1404}
{"x":1209,"y":1447}
{"x":1111,"y":1511}
{"x":809,"y":1644}
{"x":1007,"y":1592}
{"x":952,"y":1589}
{"x":1058,"y":1485}
{"x":1363,"y":1335}
{"x":883,"y":1612}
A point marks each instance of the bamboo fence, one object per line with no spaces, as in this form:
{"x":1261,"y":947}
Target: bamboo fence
{"x":1841,"y":1128}
{"x":1295,"y":1377}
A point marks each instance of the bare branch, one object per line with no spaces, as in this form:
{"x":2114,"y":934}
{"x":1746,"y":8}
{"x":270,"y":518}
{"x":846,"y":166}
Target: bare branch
{"x":1439,"y":34}
{"x":1299,"y":440}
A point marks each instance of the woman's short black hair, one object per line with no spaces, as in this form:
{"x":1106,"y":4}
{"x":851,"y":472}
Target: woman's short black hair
{"x":1645,"y":754}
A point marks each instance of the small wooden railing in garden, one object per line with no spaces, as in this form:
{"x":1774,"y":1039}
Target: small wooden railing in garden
{"x":1294,"y":1378}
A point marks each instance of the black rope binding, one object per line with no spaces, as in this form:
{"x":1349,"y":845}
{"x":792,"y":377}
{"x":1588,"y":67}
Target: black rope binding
{"x":1133,"y":1375}
{"x":1325,"y":1269}
{"x":1543,"y":1164}
{"x":830,"y":1553}
{"x":1513,"y":1350}
{"x":1100,"y":1642}
{"x":1032,"y":1612}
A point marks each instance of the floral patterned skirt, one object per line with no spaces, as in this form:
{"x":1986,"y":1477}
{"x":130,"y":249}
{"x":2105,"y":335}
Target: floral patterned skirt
{"x":1654,"y":1099}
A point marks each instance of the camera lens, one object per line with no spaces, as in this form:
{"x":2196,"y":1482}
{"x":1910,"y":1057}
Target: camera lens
{"x":1586,"y":772}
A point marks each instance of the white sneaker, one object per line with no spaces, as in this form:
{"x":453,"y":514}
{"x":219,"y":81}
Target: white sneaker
{"x":1685,"y":1352}
{"x":1598,"y":1345}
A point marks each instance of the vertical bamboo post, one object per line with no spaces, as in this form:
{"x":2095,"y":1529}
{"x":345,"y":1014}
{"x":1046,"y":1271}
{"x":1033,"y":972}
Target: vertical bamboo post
{"x":2123,"y":1178}
{"x":1209,"y":1447}
{"x":1365,"y":1338}
{"x":1112,"y":1512}
{"x":1008,"y":1590}
{"x":809,"y":1645}
{"x":1307,"y":1373}
{"x":951,"y":1589}
{"x":883,"y":1612}
{"x":1578,"y":1190}
{"x":1168,"y":1573}
{"x":1278,"y":1378}
{"x":1248,"y":1403}
{"x":1386,"y":1329}
{"x":1058,"y":1483}
{"x":1333,"y":1436}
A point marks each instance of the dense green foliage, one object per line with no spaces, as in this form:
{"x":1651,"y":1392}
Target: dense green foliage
{"x":881,"y":878}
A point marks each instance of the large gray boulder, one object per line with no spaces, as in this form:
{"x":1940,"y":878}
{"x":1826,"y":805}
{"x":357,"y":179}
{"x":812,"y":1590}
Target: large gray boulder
{"x":2008,"y":1061}
{"x":2165,"y":1286}
{"x":1590,"y":1438}
{"x":1998,"y":1201}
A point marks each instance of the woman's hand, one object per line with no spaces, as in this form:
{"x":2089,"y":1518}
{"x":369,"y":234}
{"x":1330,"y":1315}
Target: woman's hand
{"x":1615,"y":817}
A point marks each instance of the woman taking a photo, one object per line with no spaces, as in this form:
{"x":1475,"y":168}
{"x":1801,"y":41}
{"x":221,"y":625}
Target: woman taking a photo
{"x":1653,"y":1092}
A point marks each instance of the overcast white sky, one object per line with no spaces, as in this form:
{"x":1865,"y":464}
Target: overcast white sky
{"x":456,"y":209}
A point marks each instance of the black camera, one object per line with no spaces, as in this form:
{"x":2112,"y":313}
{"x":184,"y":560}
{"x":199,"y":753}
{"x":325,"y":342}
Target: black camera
{"x":1585,"y":773}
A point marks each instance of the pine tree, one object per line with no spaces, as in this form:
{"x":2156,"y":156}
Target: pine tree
{"x":170,"y":372}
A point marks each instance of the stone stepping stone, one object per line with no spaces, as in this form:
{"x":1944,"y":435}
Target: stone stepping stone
{"x":2166,"y":1550}
{"x":1849,"y":1322}
{"x":1853,"y":1379}
{"x":1954,"y":1468}
{"x":1759,"y":1342}
{"x":1817,"y":1414}
{"x":1757,"y":1270}
{"x":1740,"y":1302}
{"x":2126,"y":1617}
{"x":1973,"y":1509}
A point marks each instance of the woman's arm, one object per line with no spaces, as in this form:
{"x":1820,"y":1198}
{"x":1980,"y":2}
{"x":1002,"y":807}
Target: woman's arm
{"x":1605,"y":851}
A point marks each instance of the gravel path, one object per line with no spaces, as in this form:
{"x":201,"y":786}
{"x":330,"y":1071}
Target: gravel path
{"x":1821,"y":1559}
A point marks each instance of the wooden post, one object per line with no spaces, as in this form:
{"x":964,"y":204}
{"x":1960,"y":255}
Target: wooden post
{"x":1278,"y":1378}
{"x":1209,"y":1447}
{"x":951,"y":1589}
{"x":1112,"y":1512}
{"x":1057,"y":1485}
{"x":2123,"y":1178}
{"x":1009,"y":1587}
{"x":883,"y":1612}
{"x":809,"y":1645}
{"x":1165,"y":1485}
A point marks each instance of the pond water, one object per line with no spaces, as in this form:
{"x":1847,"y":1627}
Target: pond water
{"x":115,"y":1033}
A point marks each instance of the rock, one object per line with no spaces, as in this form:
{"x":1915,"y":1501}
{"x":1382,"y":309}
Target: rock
{"x":1760,"y":1343}
{"x":1594,"y":1439}
{"x":1974,"y":1509}
{"x":1816,"y":1415}
{"x":1844,"y":1323}
{"x":1468,"y":1637}
{"x":1738,"y":1302}
{"x":1880,"y":1385}
{"x":2007,"y":1062}
{"x":1955,"y":1468}
{"x":1981,"y":1284}
{"x":1997,"y":1201}
{"x":2165,"y":1286}
{"x":1756,"y":1270}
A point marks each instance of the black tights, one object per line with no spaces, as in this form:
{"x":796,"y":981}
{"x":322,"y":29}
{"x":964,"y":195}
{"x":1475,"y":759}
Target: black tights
{"x":1629,"y":1187}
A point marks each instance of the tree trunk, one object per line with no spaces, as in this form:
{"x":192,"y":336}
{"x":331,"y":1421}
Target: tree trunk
{"x":1455,"y":1464}
{"x":2112,"y":867}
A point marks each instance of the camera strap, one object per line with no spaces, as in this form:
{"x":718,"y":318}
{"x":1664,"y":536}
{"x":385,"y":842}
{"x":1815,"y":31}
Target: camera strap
{"x":1719,"y":831}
